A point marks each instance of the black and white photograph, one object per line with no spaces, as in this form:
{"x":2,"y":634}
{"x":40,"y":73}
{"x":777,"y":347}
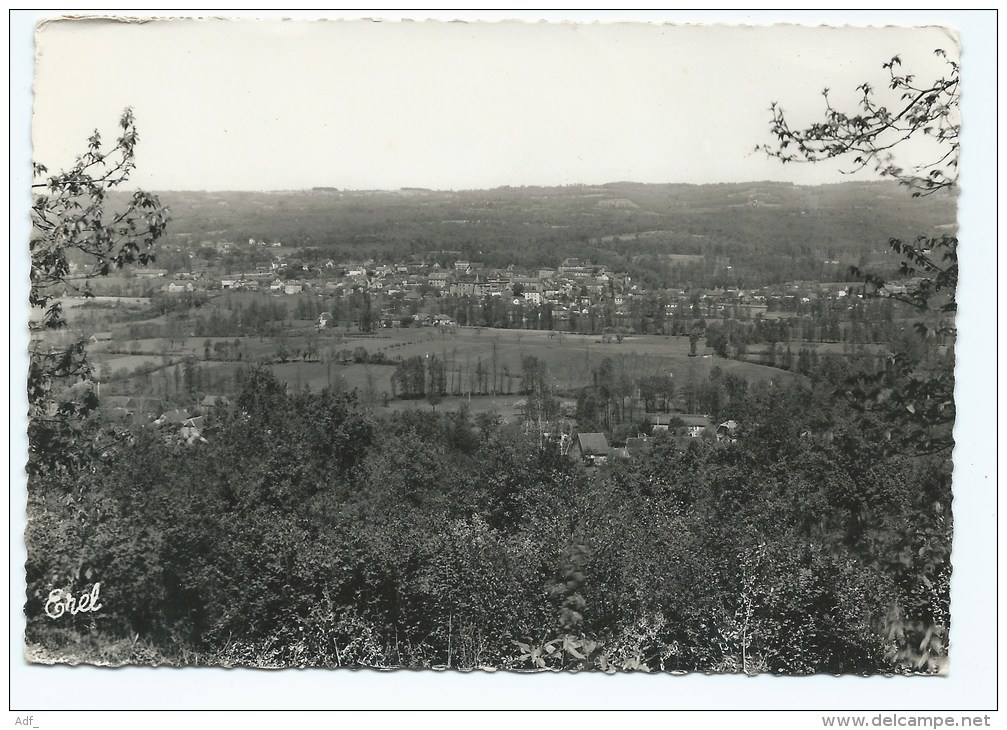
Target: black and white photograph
{"x":504,"y":347}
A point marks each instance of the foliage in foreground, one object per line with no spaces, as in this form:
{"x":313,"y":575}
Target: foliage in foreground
{"x":309,"y":532}
{"x":75,"y":223}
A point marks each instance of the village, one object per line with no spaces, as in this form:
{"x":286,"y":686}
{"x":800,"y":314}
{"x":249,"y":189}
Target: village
{"x":435,"y":289}
{"x":553,"y":314}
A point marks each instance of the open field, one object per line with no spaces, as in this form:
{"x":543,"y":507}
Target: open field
{"x":570,"y":358}
{"x":117,"y":362}
{"x":103,"y":301}
{"x":76,"y":309}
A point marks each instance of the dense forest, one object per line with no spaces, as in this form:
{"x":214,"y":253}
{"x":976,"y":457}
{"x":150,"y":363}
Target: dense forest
{"x":310,"y":531}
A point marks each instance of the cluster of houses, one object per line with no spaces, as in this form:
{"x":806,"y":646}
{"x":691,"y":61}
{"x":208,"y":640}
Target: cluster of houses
{"x":593,"y":449}
{"x":574,"y":287}
{"x":286,"y":275}
{"x":178,"y":425}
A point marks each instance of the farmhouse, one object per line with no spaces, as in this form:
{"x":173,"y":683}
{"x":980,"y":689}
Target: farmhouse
{"x":592,"y":448}
{"x":177,"y":416}
{"x":661,"y":421}
{"x":695,"y":424}
{"x":150,"y":273}
{"x":176,"y":287}
{"x":196,"y":422}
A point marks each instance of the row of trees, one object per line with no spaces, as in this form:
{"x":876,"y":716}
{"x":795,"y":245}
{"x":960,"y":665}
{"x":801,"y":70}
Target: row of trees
{"x":858,"y":322}
{"x":433,"y":378}
{"x":419,"y":377}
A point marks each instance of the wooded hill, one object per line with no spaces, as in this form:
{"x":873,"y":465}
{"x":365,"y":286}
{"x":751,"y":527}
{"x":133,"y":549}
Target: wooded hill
{"x":766,"y":232}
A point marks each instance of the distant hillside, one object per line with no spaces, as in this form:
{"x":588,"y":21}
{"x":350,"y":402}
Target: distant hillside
{"x":757,"y":227}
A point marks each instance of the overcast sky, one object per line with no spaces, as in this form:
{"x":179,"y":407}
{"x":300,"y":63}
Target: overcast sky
{"x":294,"y":104}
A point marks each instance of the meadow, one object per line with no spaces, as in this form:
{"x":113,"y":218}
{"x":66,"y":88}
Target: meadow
{"x":483,"y":366}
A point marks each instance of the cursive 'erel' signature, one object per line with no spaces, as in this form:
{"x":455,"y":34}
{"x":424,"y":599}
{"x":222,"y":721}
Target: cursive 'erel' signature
{"x":61,"y":601}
